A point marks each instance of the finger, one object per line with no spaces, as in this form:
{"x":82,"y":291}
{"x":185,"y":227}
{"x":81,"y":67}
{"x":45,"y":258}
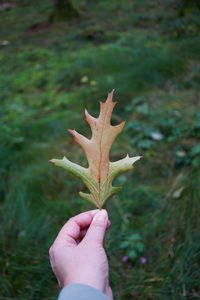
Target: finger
{"x":84,"y":231}
{"x":71,"y":230}
{"x":97,"y":228}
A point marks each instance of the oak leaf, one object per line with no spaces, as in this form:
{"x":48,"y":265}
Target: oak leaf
{"x":100,"y":173}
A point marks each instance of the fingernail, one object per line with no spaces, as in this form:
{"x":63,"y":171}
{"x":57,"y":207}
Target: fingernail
{"x":101,"y":215}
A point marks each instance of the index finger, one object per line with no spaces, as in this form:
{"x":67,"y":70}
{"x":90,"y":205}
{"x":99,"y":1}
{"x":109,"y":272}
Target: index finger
{"x":71,"y":230}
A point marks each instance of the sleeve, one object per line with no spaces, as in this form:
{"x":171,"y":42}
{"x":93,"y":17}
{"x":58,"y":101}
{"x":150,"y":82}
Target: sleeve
{"x":81,"y":292}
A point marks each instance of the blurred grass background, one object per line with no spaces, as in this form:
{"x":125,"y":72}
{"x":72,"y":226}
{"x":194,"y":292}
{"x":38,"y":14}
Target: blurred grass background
{"x":51,"y":68}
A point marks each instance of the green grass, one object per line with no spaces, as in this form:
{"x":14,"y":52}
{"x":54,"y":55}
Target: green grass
{"x":153,"y":63}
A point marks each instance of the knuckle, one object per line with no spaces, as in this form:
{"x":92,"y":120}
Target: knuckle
{"x":71,"y":220}
{"x":51,"y":249}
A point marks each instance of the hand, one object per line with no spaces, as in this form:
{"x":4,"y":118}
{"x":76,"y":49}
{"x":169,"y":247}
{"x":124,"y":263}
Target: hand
{"x":77,"y":255}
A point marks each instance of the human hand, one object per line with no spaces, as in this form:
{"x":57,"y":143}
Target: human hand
{"x":77,"y":255}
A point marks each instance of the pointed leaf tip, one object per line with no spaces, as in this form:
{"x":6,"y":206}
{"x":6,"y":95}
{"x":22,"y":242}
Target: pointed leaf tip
{"x":71,"y":131}
{"x":110,"y":96}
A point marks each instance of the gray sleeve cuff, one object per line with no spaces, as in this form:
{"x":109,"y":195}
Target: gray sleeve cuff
{"x":81,"y":292}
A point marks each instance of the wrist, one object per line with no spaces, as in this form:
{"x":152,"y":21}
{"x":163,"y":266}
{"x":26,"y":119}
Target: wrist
{"x":87,"y":279}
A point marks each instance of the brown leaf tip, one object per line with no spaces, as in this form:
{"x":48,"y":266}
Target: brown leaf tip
{"x":73,"y":133}
{"x":110,"y":97}
{"x":120,"y":125}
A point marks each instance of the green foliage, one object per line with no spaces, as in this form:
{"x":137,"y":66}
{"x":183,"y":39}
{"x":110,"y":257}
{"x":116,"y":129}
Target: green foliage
{"x":49,"y":72}
{"x":132,"y":245}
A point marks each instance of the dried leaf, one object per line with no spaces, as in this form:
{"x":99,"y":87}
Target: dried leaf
{"x":154,"y":279}
{"x":99,"y":175}
{"x":178,"y":193}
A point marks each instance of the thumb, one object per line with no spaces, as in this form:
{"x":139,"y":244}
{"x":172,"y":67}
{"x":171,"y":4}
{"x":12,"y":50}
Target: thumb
{"x":96,"y":231}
